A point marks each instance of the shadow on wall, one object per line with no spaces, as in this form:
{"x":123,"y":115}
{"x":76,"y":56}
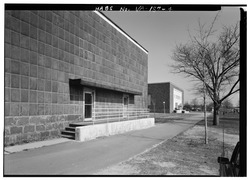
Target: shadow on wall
{"x":101,"y":95}
{"x":76,"y":93}
{"x":110,"y":96}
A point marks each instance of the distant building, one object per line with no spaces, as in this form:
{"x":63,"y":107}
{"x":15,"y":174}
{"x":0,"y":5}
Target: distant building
{"x":164,"y":97}
{"x":64,"y":67}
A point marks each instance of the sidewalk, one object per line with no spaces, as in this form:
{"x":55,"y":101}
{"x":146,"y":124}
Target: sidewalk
{"x":84,"y":158}
{"x":33,"y":145}
{"x":184,"y":155}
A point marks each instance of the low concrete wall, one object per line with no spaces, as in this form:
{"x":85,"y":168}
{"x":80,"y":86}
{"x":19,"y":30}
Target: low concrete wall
{"x":85,"y":133}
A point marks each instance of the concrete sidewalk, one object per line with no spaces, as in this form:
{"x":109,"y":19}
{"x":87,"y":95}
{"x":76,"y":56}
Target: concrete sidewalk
{"x":67,"y":157}
{"x":33,"y":145}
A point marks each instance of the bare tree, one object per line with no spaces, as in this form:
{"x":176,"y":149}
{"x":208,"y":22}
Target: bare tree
{"x":227,"y":103}
{"x":213,"y":60}
{"x":195,"y":103}
{"x":187,"y":106}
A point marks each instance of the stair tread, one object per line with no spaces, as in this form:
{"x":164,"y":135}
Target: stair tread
{"x":67,"y":136}
{"x":81,"y":123}
{"x":70,"y":132}
{"x":70,"y":129}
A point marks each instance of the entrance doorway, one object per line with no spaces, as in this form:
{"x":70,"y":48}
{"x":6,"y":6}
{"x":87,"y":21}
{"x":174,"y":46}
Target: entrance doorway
{"x":125,"y":105}
{"x":88,"y":105}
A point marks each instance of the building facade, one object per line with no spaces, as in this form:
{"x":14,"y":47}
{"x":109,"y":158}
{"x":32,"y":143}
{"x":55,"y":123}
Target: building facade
{"x":66,"y":66}
{"x":165,"y":97}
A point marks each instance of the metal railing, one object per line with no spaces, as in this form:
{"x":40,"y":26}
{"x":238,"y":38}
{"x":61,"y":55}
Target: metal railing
{"x":107,"y":115}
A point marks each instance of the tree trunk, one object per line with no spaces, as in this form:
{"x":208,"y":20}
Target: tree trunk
{"x":216,"y":118}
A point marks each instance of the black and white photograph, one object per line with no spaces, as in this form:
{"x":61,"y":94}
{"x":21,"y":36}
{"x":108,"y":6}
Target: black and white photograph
{"x":127,"y":90}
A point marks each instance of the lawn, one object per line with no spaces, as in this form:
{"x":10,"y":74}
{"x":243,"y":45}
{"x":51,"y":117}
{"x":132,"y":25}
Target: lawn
{"x":166,"y":118}
{"x":185,"y":154}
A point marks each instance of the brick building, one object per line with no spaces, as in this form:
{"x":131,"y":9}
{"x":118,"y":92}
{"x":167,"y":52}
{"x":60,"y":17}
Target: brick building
{"x":164,"y":97}
{"x":66,"y":66}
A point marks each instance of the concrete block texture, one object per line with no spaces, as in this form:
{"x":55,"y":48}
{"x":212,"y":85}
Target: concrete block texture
{"x":160,"y":93}
{"x":15,"y":81}
{"x":25,"y":129}
{"x":44,"y":49}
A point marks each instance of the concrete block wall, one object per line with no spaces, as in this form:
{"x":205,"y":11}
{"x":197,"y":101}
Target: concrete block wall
{"x":161,"y":92}
{"x":111,"y":101}
{"x":108,"y":99}
{"x":43,"y":50}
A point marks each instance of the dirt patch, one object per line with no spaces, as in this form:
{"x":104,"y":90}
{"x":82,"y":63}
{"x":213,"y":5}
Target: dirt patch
{"x":185,"y":154}
{"x":121,"y":169}
{"x":166,"y":118}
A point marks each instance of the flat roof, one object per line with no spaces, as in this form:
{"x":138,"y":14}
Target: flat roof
{"x":120,"y":30}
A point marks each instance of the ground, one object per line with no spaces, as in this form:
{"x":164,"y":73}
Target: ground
{"x":185,"y":154}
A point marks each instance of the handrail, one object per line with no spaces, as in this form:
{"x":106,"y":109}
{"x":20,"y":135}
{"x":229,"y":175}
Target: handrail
{"x":118,"y":114}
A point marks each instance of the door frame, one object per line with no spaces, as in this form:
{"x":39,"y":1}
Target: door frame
{"x":125,"y":107}
{"x":92,"y":92}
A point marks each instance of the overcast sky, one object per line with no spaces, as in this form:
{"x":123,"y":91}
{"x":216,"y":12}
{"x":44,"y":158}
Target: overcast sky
{"x":159,"y":32}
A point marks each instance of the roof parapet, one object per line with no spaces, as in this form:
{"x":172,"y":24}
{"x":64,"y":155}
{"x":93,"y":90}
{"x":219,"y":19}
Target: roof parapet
{"x":120,"y":30}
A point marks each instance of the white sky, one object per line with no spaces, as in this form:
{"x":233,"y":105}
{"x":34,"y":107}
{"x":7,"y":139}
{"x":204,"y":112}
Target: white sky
{"x":159,"y":32}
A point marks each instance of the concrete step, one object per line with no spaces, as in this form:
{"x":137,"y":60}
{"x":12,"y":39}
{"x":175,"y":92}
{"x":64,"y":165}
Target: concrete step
{"x":68,"y":136}
{"x":80,"y":124}
{"x":70,"y":129}
{"x":71,"y":133}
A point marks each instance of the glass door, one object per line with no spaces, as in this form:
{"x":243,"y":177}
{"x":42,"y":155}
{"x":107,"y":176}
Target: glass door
{"x":125,"y":105}
{"x":88,"y":105}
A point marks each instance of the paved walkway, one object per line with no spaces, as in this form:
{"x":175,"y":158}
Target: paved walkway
{"x":84,"y":158}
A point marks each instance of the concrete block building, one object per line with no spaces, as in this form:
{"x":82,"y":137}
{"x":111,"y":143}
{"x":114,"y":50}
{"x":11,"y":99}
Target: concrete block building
{"x":164,"y":97}
{"x":67,"y":66}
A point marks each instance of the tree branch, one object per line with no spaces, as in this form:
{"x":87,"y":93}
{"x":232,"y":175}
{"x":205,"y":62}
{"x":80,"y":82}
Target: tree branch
{"x":231,"y":90}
